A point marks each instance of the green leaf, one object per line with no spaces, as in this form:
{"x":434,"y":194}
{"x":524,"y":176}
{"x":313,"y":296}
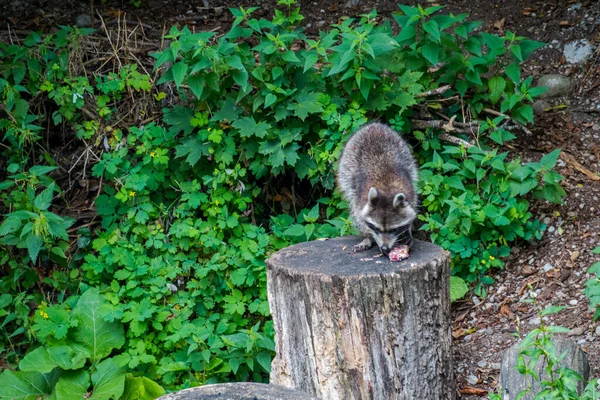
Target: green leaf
{"x":310,"y":60}
{"x":25,"y":385}
{"x":514,"y":73}
{"x":307,"y":103}
{"x":93,"y":332}
{"x":5,"y":300}
{"x":552,"y":310}
{"x":179,"y":70}
{"x":458,"y":288}
{"x":264,"y":359}
{"x":34,"y":245}
{"x":433,"y":29}
{"x":37,"y":361}
{"x":241,"y":78}
{"x":10,"y":225}
{"x":270,"y":99}
{"x":431,"y":52}
{"x":44,"y":199}
{"x":496,"y":86}
{"x":528,"y":47}
{"x":72,"y":385}
{"x":290,"y":57}
{"x":39,"y":170}
{"x":108,"y":380}
{"x":194,"y":148}
{"x":141,"y":388}
{"x":294,"y":230}
{"x":549,"y":160}
{"x":68,"y":357}
{"x":248,"y":127}
{"x":196,"y":84}
{"x":455,"y":182}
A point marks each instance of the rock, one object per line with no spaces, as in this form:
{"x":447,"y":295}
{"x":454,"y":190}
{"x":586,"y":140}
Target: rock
{"x":597,"y":331}
{"x":574,"y":255}
{"x":573,"y":302}
{"x":472,"y":380}
{"x":551,"y":229}
{"x":556,"y":85}
{"x":548,"y":267}
{"x":534,"y":321}
{"x":476,"y":301}
{"x":540,"y":106}
{"x":581,"y":342}
{"x":83,"y":20}
{"x":512,"y":382}
{"x":482,"y":364}
{"x":578,"y":51}
{"x":577,"y":331}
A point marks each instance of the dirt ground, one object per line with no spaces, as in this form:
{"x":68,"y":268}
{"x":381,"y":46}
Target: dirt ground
{"x":556,"y":266}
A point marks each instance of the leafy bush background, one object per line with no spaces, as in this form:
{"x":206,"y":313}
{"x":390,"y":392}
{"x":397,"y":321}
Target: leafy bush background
{"x":239,"y":163}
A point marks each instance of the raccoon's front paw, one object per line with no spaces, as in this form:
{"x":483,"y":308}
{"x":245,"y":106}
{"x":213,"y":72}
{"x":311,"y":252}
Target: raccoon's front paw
{"x":407,"y":239}
{"x":366,"y":244}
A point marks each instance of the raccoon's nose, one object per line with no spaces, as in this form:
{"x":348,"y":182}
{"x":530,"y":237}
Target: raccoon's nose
{"x":385,"y":250}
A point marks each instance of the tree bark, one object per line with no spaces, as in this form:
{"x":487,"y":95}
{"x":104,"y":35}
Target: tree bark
{"x":357,"y":326}
{"x":237,"y":391}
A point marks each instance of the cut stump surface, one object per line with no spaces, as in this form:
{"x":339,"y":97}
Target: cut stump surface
{"x":358,"y":326}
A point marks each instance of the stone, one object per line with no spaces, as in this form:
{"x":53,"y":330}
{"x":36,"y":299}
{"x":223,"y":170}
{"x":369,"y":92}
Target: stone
{"x":83,"y":20}
{"x":573,"y":302}
{"x":577,"y":331}
{"x":574,"y":255}
{"x":512,"y":382}
{"x":482,"y":364}
{"x":540,"y":106}
{"x":548,"y":267}
{"x":556,"y":85}
{"x":534,"y":321}
{"x":597,"y":331}
{"x":472,"y":379}
{"x":578,"y":51}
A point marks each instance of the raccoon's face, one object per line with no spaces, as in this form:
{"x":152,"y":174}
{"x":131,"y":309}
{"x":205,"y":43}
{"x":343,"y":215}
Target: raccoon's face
{"x":388,"y":217}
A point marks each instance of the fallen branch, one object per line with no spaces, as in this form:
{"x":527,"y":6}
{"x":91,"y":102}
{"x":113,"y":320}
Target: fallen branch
{"x":499,"y":114}
{"x":569,"y":159}
{"x":446,"y":126}
{"x":433,"y":92}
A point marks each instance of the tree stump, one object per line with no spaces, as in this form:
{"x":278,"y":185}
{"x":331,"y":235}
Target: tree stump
{"x":238,"y":391}
{"x":357,"y":326}
{"x":513,"y":382}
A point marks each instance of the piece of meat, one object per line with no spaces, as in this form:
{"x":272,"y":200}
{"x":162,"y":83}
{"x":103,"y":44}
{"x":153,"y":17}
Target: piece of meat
{"x":399,"y":253}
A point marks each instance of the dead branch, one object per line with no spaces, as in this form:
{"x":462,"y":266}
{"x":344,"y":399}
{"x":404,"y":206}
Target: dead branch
{"x":509,"y":118}
{"x":433,"y":92}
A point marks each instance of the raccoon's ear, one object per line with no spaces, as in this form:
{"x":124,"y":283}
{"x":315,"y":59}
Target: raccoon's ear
{"x":372,"y":197}
{"x":400,"y":201}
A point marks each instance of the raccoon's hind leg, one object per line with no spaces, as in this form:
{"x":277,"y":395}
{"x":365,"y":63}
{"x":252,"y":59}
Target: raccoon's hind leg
{"x":366,"y":244}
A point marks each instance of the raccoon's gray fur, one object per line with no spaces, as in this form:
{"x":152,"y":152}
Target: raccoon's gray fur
{"x":378,"y":177}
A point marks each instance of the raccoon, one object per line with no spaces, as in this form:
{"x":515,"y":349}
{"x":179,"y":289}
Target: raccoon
{"x":378,"y":176}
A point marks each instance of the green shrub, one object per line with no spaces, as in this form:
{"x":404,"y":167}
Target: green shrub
{"x":592,"y":286}
{"x":244,"y":164}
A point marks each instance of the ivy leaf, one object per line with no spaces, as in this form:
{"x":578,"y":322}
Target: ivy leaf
{"x":275,"y":152}
{"x":141,"y":388}
{"x":248,"y":127}
{"x":228,"y":111}
{"x":72,"y":385}
{"x":108,"y":380}
{"x":93,"y":332}
{"x":38,"y":361}
{"x":194,"y":148}
{"x":307,"y":103}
